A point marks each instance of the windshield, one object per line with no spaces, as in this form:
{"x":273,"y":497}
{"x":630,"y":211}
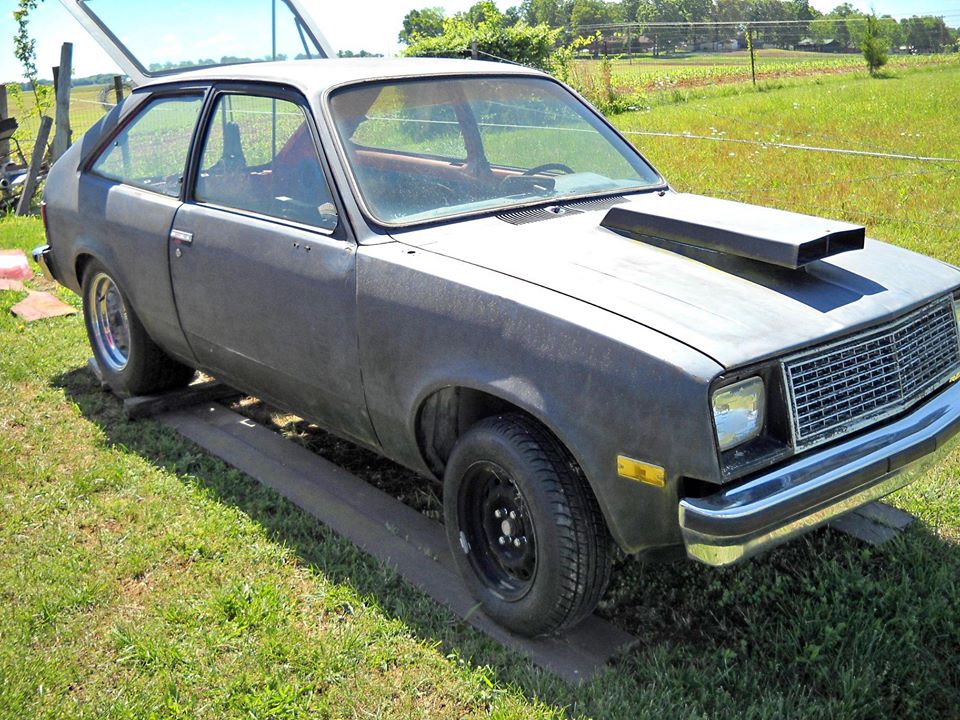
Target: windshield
{"x":427,"y":149}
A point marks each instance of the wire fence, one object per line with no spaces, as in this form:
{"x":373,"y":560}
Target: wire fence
{"x":88,"y":104}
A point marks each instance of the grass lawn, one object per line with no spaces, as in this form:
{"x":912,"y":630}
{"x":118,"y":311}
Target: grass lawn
{"x":142,"y":578}
{"x":913,"y":113}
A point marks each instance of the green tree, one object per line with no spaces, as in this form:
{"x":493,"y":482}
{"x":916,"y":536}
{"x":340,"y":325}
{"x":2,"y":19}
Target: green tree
{"x":485,"y":11}
{"x":592,"y":12}
{"x":427,"y":22}
{"x":728,"y":11}
{"x":555,"y":13}
{"x":660,"y":11}
{"x":874,"y":45}
{"x":841,"y":16}
{"x":511,"y":16}
{"x":628,"y":10}
{"x":892,"y":30}
{"x":926,"y":33}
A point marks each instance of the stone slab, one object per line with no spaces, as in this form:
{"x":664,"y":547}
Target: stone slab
{"x":41,"y":305}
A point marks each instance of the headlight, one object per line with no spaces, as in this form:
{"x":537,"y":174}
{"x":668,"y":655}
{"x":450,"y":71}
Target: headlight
{"x":738,"y":412}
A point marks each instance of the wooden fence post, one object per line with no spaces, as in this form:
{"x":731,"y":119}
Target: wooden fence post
{"x":118,"y":88}
{"x":4,"y":114}
{"x":61,"y":139}
{"x":36,"y":161}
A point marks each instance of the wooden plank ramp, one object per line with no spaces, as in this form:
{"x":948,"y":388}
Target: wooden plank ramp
{"x":397,"y":535}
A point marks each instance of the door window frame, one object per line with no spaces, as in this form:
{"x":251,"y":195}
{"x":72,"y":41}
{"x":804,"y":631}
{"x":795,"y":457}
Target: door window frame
{"x":272,"y":92}
{"x":151,"y":96}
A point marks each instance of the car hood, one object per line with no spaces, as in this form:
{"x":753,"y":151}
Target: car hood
{"x":734,"y":310}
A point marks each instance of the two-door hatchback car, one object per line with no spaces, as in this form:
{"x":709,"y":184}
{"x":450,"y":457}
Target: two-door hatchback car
{"x":466,"y":268}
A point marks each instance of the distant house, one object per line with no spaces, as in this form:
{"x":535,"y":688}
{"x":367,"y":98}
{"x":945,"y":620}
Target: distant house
{"x":827,"y":45}
{"x":641,"y":43}
{"x":717,"y":45}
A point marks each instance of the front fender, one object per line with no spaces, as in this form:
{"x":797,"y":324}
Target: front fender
{"x":605,"y":386}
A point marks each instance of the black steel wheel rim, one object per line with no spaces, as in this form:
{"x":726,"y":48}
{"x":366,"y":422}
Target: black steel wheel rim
{"x":496,"y":531}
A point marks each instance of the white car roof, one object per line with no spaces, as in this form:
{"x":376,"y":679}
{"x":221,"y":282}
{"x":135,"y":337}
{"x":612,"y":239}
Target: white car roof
{"x":313,"y":77}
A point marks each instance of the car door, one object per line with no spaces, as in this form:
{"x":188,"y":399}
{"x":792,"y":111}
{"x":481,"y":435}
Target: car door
{"x":263,"y":267}
{"x":136,"y":181}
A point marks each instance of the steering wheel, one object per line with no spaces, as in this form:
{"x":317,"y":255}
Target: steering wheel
{"x":541,"y":169}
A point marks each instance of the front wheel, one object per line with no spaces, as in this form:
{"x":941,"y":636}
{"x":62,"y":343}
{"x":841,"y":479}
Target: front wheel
{"x":528,"y":536}
{"x":131,"y":363}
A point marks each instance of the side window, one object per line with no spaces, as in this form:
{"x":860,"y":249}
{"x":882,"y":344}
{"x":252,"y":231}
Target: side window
{"x":259,"y":156}
{"x":151,"y":152}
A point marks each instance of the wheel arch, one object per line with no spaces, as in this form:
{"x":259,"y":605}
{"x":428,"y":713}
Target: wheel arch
{"x":446,"y":412}
{"x":88,"y":250}
{"x":80,"y":264}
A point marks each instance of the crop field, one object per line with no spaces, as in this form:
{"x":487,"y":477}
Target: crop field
{"x":658,"y":78}
{"x":142,"y":578}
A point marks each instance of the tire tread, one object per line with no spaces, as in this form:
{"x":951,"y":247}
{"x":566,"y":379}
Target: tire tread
{"x":585,"y":545}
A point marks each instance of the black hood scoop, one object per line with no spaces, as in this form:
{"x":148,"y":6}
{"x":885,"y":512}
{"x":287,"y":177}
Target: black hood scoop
{"x":776,"y":237}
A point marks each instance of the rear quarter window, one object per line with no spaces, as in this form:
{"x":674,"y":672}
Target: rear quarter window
{"x":151,"y":151}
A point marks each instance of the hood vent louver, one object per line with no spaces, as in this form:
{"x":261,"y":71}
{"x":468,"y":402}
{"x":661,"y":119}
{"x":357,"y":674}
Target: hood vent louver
{"x":775,"y":237}
{"x":523,"y":217}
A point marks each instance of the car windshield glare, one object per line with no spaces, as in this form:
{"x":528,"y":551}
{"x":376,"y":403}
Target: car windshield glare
{"x":422,"y":150}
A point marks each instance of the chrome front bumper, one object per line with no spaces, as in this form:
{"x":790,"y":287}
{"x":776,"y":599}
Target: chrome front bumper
{"x":760,"y":513}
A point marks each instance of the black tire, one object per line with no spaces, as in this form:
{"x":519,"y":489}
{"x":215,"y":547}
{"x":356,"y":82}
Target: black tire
{"x":543,"y":569}
{"x":130,"y":361}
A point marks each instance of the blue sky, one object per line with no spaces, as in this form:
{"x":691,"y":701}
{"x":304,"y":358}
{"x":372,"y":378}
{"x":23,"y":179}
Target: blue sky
{"x":377,"y":31}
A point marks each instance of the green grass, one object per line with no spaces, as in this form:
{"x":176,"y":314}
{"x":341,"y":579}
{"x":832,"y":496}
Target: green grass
{"x":908,"y":202}
{"x":140,"y":577}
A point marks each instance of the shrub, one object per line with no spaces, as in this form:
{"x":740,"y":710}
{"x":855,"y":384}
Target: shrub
{"x":874,"y":46}
{"x":531,"y":45}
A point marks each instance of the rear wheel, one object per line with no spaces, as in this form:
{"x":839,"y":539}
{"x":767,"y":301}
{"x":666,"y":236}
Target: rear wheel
{"x":528,"y":536}
{"x":131,"y":363}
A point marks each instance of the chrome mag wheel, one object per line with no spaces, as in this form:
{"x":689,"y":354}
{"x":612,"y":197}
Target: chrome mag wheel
{"x":110,"y":323}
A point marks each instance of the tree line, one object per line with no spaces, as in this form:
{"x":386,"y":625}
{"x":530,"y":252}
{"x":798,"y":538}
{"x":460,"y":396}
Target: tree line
{"x":777,"y":23}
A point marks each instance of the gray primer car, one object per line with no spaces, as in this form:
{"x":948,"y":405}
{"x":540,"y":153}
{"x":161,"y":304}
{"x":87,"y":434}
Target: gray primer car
{"x":625,"y":362}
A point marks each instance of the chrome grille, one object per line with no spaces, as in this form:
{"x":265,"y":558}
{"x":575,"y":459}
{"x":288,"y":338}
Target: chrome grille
{"x":852,"y":383}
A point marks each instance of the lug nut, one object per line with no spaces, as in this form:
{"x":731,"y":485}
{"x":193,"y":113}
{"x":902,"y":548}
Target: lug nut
{"x":498,"y":514}
{"x":517,"y":543}
{"x":503,"y":540}
{"x":513,"y":515}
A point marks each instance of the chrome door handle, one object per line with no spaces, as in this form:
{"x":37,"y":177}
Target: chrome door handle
{"x":181,"y":238}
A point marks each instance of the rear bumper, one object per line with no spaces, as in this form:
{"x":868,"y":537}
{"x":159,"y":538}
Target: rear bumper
{"x":772,"y":508}
{"x":43,"y":256}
